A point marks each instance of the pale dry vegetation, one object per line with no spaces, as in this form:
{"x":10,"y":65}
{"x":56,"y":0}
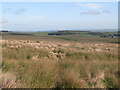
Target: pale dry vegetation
{"x":54,"y":64}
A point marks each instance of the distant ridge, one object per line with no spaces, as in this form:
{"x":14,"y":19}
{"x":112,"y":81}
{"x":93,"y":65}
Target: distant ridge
{"x":73,"y":31}
{"x":5,"y":31}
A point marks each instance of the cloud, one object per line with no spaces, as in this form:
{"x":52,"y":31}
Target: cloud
{"x":106,"y":11}
{"x":91,"y":12}
{"x":20,"y":11}
{"x":7,"y":9}
{"x":3,"y":21}
{"x":95,"y":12}
{"x":35,"y":17}
{"x":34,"y":20}
{"x":93,"y":9}
{"x":92,"y":6}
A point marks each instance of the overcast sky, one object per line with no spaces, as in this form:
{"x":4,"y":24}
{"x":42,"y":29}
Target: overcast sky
{"x":39,"y":16}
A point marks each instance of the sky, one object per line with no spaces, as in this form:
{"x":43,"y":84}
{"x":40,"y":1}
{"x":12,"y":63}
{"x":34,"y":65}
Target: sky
{"x":41,"y":16}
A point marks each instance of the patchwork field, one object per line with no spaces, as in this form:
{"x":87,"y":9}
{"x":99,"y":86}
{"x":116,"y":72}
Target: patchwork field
{"x":59,"y":62}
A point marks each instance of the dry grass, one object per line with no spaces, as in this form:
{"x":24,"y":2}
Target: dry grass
{"x":8,"y":80}
{"x":43,"y":64}
{"x":86,"y":73}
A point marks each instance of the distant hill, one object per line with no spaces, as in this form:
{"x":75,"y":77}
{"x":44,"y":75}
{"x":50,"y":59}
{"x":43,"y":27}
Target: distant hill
{"x":86,"y":33}
{"x":68,"y":32}
{"x":72,"y":31}
{"x":4,"y":31}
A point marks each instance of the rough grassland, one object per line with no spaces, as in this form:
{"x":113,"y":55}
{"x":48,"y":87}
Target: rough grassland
{"x":52,"y":62}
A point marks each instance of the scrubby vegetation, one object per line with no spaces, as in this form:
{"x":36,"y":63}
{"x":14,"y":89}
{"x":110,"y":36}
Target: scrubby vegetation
{"x":49,"y":62}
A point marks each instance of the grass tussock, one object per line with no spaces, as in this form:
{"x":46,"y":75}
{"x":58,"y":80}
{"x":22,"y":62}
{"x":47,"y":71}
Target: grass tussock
{"x":91,"y":56}
{"x":39,"y":74}
{"x":9,"y":80}
{"x":35,"y":68}
{"x":23,"y":53}
{"x":87,"y":73}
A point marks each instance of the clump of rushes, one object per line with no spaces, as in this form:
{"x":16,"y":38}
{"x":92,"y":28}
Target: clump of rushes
{"x":23,"y":53}
{"x":58,"y":50}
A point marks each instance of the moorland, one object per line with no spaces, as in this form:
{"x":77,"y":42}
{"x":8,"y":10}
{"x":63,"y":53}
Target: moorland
{"x":63,"y":59}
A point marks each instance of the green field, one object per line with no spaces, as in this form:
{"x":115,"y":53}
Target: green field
{"x":83,"y":37}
